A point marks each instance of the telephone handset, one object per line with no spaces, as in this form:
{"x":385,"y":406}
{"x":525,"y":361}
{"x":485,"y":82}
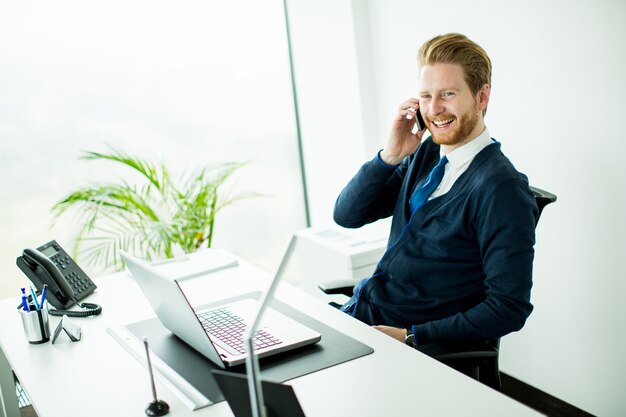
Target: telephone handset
{"x":67,"y":283}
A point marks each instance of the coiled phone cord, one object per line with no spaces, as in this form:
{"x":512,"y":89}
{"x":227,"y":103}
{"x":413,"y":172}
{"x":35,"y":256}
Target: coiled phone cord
{"x":91,"y":310}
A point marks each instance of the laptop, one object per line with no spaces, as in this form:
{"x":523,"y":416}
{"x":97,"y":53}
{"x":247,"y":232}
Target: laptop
{"x":218,"y":332}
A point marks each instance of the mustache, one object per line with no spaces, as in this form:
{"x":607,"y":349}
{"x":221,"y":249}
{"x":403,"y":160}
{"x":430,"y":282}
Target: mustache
{"x":439,"y":118}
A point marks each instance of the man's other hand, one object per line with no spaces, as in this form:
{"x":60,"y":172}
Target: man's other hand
{"x":395,"y":332}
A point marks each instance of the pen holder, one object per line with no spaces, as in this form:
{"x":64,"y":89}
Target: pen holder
{"x":36,"y":325}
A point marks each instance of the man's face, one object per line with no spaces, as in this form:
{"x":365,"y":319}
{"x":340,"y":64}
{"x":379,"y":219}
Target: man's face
{"x":453,"y":115}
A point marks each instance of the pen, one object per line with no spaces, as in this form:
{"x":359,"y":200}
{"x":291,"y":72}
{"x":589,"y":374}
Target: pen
{"x":43,"y":295}
{"x":34,"y":298}
{"x":24,"y":302}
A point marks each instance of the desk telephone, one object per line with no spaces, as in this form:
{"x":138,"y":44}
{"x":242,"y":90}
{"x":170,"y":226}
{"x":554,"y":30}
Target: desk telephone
{"x":67,"y":283}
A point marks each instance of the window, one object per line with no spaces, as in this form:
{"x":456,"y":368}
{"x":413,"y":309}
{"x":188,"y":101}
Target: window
{"x":188,"y":83}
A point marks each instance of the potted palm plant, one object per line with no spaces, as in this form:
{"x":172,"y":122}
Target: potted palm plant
{"x":158,"y":218}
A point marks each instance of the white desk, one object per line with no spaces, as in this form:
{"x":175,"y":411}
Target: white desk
{"x":98,"y":377}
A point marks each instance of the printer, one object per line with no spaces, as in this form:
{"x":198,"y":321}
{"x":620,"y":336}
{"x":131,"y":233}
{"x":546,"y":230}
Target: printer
{"x":338,"y":254}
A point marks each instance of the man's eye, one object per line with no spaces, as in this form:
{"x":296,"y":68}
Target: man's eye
{"x":447,"y":94}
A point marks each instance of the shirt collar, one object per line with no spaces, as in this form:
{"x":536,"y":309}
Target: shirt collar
{"x":467,"y":152}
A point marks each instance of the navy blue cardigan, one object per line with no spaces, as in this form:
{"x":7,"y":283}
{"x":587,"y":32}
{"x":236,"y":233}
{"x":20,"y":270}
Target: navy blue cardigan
{"x":461,"y":267}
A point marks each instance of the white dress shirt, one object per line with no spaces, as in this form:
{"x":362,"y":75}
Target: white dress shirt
{"x":459,"y":160}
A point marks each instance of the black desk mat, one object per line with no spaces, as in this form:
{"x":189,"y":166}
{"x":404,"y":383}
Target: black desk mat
{"x":334,"y":348}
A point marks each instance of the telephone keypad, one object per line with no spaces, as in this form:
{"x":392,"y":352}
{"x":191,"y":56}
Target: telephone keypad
{"x":79,"y":283}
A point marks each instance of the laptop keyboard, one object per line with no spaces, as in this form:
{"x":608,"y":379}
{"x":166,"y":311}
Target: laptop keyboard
{"x":231,"y":329}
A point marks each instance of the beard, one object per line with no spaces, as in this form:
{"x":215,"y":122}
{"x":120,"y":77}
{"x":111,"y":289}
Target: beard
{"x":466,"y":123}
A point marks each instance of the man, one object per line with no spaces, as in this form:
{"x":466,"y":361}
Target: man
{"x":458,"y":266}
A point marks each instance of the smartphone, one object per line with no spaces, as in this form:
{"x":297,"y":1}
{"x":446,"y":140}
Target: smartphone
{"x":419,"y":120}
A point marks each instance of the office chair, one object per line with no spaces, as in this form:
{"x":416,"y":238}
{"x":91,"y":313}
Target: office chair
{"x":479,"y":360}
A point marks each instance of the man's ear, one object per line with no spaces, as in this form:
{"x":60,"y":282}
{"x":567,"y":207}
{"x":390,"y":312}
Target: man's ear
{"x":483,"y":97}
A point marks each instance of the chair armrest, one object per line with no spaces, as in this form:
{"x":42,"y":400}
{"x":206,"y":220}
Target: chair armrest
{"x":338,"y":286}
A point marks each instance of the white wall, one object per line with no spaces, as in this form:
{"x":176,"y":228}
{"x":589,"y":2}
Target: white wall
{"x":557,"y":106}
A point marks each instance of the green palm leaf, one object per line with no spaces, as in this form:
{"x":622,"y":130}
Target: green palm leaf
{"x":156,"y":218}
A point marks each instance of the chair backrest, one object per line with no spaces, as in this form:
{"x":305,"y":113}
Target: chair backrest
{"x":543,"y":198}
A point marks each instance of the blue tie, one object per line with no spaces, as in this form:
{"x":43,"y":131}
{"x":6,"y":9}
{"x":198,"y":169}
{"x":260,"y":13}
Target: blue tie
{"x":421,"y":194}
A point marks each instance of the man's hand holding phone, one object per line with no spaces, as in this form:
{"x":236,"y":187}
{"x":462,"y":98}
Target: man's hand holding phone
{"x":402,"y":141}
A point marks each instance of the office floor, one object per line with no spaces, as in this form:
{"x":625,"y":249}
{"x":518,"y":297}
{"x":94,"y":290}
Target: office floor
{"x":538,"y":400}
{"x":26,"y":409}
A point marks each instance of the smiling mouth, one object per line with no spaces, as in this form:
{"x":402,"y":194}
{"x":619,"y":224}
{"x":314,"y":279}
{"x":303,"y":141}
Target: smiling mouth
{"x":442,"y":123}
